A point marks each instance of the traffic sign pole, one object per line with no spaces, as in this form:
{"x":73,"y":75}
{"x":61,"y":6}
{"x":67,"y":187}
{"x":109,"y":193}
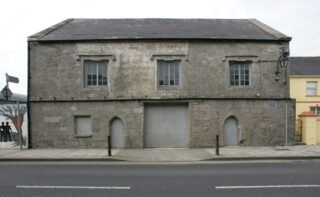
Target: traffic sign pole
{"x":7,"y":81}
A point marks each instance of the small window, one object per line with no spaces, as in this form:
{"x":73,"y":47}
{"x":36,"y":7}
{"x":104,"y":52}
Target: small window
{"x":83,"y":126}
{"x":96,"y":73}
{"x":316,"y":110}
{"x":168,"y":73}
{"x":240,"y":74}
{"x":311,"y":88}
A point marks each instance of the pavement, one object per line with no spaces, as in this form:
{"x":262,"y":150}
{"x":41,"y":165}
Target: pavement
{"x":164,"y":154}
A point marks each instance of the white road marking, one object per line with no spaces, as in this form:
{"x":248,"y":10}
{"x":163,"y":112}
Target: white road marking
{"x":71,"y":187}
{"x":265,"y":186}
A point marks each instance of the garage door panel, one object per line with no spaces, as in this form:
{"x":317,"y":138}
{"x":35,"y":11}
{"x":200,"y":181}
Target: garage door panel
{"x":166,"y":126}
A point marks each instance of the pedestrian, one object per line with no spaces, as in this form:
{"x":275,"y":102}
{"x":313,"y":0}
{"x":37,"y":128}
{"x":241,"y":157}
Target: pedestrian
{"x":2,"y":132}
{"x":7,"y":130}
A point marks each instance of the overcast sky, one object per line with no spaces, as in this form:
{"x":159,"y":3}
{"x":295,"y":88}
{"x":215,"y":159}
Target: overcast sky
{"x":298,"y":19}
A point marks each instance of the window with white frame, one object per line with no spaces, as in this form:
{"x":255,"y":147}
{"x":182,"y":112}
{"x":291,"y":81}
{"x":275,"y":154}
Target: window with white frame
{"x":96,"y":73}
{"x":240,"y":73}
{"x":316,"y":110}
{"x":83,"y":126}
{"x":168,"y":73}
{"x":312,"y":88}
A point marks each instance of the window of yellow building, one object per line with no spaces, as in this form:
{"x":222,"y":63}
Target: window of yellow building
{"x":316,"y":110}
{"x":311,"y":88}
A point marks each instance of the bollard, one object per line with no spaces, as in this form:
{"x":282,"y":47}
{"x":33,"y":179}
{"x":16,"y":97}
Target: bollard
{"x":109,"y":146}
{"x":217,"y":144}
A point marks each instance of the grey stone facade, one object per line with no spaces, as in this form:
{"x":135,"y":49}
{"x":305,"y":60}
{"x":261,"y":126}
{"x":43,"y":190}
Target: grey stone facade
{"x":57,"y":93}
{"x":259,"y":125}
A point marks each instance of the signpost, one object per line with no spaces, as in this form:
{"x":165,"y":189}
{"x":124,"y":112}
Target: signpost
{"x":6,"y":92}
{"x":12,"y":79}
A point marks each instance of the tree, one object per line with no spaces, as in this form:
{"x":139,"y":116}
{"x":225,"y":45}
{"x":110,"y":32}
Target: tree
{"x":11,"y":112}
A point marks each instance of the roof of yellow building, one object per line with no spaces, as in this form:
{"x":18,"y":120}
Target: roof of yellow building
{"x":307,"y":113}
{"x":305,"y":66}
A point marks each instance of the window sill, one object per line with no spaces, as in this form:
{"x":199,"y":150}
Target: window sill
{"x":169,"y":87}
{"x":96,"y":87}
{"x":83,"y":136}
{"x":312,"y":95}
{"x":240,"y":86}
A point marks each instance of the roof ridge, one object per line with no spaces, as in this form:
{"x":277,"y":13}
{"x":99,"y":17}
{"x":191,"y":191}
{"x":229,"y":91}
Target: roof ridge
{"x":159,"y":18}
{"x":269,"y":30}
{"x":49,"y":30}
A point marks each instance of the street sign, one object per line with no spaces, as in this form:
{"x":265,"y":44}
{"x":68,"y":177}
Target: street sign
{"x":13,"y":79}
{"x":6,"y":92}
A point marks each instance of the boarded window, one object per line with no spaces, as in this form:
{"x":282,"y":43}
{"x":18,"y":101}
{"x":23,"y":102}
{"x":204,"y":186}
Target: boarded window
{"x":168,"y":73}
{"x":240,"y":73}
{"x":311,"y":88}
{"x":83,"y":126}
{"x":96,"y":73}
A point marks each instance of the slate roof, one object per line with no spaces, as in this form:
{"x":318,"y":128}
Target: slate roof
{"x":305,"y":66}
{"x":139,"y":29}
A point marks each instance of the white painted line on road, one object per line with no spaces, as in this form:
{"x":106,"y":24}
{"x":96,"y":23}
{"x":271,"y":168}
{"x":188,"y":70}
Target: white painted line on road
{"x":71,"y":187}
{"x":265,"y":186}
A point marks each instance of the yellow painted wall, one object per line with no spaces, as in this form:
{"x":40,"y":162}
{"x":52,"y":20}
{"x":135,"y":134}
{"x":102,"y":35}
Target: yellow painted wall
{"x":298,"y":91}
{"x":309,"y":130}
{"x":318,"y":131}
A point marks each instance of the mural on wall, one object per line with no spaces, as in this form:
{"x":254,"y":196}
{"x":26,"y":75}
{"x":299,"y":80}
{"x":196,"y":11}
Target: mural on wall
{"x":9,"y":124}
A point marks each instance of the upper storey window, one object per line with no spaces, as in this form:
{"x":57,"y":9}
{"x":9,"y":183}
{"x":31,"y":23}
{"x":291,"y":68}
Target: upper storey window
{"x":311,"y":88}
{"x":240,"y":73}
{"x":169,"y":73}
{"x":96,"y":73}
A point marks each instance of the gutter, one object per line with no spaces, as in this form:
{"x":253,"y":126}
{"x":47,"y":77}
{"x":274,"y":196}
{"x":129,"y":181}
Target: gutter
{"x":304,"y":76}
{"x":158,"y":39}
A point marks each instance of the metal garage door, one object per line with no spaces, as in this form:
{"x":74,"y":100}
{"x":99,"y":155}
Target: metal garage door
{"x":166,"y":126}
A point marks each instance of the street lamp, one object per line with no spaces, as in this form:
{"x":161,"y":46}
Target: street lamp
{"x":283,"y":62}
{"x":284,"y":58}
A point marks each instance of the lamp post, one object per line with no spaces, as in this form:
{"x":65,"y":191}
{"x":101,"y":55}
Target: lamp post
{"x":283,"y":62}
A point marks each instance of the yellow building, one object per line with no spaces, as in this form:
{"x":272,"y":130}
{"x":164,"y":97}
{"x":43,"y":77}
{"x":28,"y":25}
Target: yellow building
{"x":304,"y":87}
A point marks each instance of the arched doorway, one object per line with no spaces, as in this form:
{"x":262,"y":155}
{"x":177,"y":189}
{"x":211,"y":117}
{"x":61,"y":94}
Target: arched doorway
{"x":117,"y":133}
{"x":230,"y":132}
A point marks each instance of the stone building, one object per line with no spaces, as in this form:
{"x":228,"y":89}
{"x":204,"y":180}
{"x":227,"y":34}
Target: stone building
{"x":159,"y":83}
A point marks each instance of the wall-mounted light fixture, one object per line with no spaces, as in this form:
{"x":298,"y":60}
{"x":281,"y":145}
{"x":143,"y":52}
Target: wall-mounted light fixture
{"x":283,"y":62}
{"x":284,"y":58}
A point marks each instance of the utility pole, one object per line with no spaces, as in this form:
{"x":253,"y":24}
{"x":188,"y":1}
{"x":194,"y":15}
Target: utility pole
{"x":19,"y":128}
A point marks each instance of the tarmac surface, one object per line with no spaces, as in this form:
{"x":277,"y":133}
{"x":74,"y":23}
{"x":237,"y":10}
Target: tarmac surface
{"x":164,"y":154}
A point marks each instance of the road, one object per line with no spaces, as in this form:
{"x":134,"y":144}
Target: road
{"x":286,"y":178}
